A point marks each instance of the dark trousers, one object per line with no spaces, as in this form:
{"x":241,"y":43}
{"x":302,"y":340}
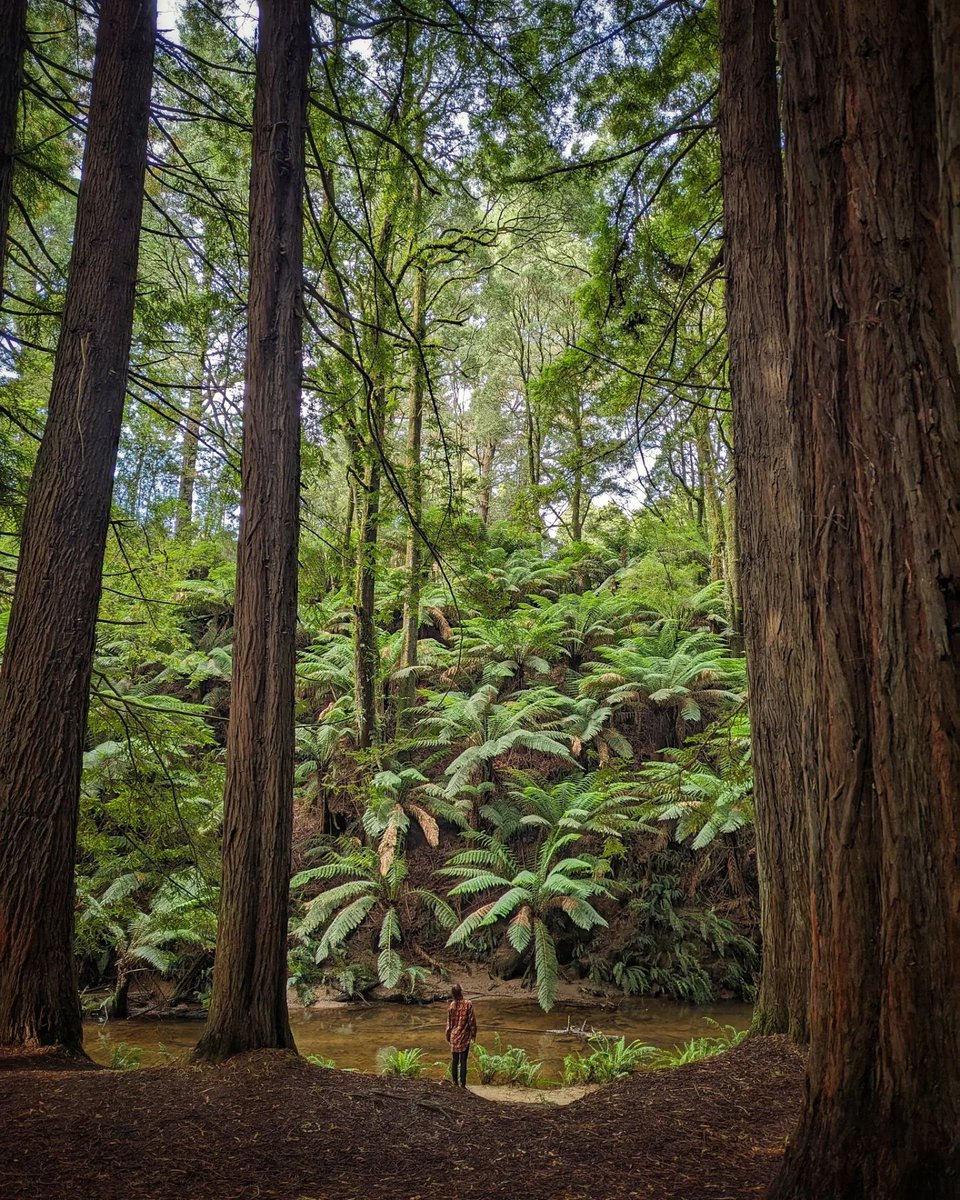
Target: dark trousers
{"x":458,"y":1067}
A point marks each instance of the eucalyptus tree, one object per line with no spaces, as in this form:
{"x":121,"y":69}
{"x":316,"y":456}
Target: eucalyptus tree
{"x":248,"y":1007}
{"x":45,"y":676}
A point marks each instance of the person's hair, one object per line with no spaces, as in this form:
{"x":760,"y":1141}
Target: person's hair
{"x":456,"y":991}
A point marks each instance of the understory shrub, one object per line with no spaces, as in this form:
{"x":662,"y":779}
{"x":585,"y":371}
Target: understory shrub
{"x":673,"y":946}
{"x":510,"y":1066}
{"x":699,"y":1047}
{"x":408,"y":1063}
{"x":609,"y":1059}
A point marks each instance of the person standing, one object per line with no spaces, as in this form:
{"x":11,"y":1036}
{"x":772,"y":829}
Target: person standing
{"x":461,"y":1031}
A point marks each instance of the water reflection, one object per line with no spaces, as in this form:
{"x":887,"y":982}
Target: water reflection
{"x":351,"y":1034}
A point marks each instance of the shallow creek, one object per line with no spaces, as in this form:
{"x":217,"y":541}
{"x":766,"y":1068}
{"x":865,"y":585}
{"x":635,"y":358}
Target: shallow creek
{"x":351,"y":1034}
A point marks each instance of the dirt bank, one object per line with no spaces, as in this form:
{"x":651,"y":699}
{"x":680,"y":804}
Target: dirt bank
{"x":271,"y":1125}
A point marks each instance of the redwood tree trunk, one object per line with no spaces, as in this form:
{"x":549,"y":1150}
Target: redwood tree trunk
{"x":874,"y":389}
{"x":768,"y":513}
{"x":945,"y":20}
{"x":45,"y":678}
{"x":248,"y":1008}
{"x":13,"y":41}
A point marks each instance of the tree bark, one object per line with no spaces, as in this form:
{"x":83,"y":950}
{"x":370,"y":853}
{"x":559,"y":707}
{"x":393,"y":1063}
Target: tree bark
{"x":486,"y":480}
{"x":45,"y":678}
{"x":183,"y":522}
{"x":413,"y":556}
{"x":874,"y":390}
{"x":13,"y":42}
{"x":945,"y":23}
{"x":716,"y":525}
{"x":366,"y":653}
{"x":248,"y":1008}
{"x":767,"y":509}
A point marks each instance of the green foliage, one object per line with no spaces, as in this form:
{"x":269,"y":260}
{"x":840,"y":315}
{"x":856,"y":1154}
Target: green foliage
{"x":318,"y":1060}
{"x":529,"y":901}
{"x":511,"y":1066}
{"x":409,"y":1063}
{"x":125,"y":1058}
{"x":609,"y":1059}
{"x":706,"y":786}
{"x":372,"y":886}
{"x":699,"y":1047}
{"x":668,"y":943}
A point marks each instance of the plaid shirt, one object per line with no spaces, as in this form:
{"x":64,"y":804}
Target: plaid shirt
{"x":461,"y":1025}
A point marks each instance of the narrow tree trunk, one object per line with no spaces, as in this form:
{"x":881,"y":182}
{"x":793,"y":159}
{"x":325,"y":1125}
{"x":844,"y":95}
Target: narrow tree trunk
{"x":45,"y":678}
{"x":13,"y":41}
{"x":118,"y":1006}
{"x":366,"y":652}
{"x":767,"y":509}
{"x":188,"y":457}
{"x":731,"y":570}
{"x":576,"y":492}
{"x":711,"y":498}
{"x":486,"y":480}
{"x":248,"y":1008}
{"x":346,"y":556}
{"x":413,"y":552}
{"x":874,"y":389}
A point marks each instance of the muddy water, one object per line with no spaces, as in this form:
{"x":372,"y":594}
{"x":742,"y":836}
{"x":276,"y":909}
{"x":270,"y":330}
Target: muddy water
{"x":352,"y":1034}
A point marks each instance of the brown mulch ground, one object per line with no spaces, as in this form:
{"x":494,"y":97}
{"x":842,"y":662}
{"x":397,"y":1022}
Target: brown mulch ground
{"x":271,"y":1125}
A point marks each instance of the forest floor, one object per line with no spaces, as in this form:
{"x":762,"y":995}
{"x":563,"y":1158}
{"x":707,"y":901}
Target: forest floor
{"x":271,"y":1125}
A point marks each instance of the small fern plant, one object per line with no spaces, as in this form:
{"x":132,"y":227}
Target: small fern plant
{"x":409,"y":1063}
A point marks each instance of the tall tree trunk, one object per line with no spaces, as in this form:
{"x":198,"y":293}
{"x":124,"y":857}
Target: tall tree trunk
{"x":183,"y":521}
{"x":13,"y":42}
{"x":711,"y":498}
{"x":486,"y":480}
{"x":366,"y":652}
{"x":731,"y":570}
{"x":945,"y":20}
{"x":248,"y":1008}
{"x":874,"y":389}
{"x":767,"y":506}
{"x":346,"y":556}
{"x":577,"y":513}
{"x":45,"y":677}
{"x":413,"y":558}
